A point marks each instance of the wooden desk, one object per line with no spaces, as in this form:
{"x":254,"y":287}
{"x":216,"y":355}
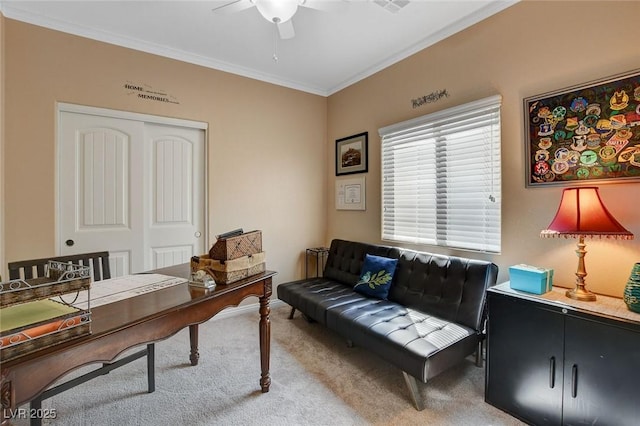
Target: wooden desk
{"x":121,"y":325}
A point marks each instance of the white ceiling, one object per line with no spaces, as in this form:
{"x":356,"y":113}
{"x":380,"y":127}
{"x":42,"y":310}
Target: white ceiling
{"x":330,"y":51}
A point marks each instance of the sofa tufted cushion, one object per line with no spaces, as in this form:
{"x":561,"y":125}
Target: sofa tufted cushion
{"x":345,"y":259}
{"x":449,"y":287}
{"x":376,"y":275}
{"x":315,"y":296}
{"x":424,"y":345}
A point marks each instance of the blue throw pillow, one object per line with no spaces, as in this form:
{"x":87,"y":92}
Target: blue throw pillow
{"x":376,"y":276}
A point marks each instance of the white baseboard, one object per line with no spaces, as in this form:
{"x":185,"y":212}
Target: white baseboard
{"x":239,"y":310}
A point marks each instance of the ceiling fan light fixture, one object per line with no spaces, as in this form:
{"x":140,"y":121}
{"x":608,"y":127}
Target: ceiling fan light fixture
{"x":277,"y":11}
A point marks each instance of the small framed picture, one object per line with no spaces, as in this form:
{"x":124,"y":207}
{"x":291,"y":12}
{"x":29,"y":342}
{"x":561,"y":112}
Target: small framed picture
{"x":351,"y":154}
{"x":351,"y":193}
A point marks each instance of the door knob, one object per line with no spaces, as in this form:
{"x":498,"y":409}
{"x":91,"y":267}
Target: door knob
{"x":69,"y":242}
{"x":197,"y":234}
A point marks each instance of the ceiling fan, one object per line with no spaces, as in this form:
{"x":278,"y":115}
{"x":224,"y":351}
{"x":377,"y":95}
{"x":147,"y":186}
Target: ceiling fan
{"x":279,"y":12}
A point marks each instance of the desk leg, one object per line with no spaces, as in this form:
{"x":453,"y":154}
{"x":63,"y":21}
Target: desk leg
{"x":7,"y":402}
{"x":265,"y":343}
{"x":193,"y":338}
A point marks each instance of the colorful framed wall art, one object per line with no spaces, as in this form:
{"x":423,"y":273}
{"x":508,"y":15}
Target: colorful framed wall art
{"x":589,"y":132}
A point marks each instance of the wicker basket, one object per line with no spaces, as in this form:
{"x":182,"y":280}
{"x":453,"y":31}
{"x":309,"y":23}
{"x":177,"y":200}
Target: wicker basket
{"x":62,"y":278}
{"x":226,"y":272}
{"x":237,"y":246}
{"x":30,"y":345}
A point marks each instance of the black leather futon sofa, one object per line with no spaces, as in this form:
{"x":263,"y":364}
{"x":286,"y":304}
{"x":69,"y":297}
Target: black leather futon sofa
{"x":432,"y":318}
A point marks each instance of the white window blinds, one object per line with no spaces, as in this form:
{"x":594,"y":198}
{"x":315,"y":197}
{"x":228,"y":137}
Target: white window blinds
{"x":441,"y":180}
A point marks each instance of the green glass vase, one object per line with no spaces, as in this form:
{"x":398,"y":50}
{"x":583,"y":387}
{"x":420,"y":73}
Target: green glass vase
{"x":632,"y":289}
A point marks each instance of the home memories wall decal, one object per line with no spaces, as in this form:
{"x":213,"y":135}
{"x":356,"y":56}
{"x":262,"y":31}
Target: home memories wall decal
{"x":588,"y":132}
{"x":147,"y":92}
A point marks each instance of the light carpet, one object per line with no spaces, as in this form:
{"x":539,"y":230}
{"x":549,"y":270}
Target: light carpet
{"x":315,"y":380}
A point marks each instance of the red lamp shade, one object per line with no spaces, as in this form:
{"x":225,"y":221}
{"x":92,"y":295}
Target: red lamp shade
{"x":582,"y":213}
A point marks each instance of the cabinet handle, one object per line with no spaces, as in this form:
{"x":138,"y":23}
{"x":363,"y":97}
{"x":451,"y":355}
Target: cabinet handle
{"x":552,"y":372}
{"x":574,"y":381}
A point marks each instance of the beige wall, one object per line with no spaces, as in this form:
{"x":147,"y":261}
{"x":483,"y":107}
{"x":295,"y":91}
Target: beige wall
{"x":266,"y":143}
{"x":531,"y":48}
{"x":272,"y":149}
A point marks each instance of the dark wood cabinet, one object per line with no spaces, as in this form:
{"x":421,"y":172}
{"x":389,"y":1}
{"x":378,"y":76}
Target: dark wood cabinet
{"x":524,"y":361}
{"x":552,"y":361}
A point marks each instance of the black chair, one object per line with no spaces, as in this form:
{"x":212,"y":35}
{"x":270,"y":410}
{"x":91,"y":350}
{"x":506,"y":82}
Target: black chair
{"x":100,"y":270}
{"x":97,"y":261}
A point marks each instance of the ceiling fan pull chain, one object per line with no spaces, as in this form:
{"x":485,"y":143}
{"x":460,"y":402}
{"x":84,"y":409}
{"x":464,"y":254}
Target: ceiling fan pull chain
{"x":275,"y":42}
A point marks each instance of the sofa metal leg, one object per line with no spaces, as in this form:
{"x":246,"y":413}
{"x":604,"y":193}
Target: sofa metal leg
{"x":412,"y":384}
{"x":479,"y":352}
{"x":293,"y":311}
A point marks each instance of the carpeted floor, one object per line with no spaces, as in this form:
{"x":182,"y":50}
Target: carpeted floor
{"x":316,"y":380}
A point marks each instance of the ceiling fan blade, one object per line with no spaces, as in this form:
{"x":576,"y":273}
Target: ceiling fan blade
{"x":285,"y":29}
{"x":232,"y":7}
{"x":324,"y":5}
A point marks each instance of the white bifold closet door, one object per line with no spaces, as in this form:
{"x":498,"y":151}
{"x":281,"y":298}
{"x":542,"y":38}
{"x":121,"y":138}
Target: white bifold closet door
{"x":132,"y":187}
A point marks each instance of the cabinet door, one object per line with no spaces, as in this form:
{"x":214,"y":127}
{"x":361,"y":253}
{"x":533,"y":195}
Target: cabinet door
{"x":524,"y":360}
{"x":602,"y":374}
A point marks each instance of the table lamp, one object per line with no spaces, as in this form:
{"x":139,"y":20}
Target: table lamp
{"x":582,"y":214}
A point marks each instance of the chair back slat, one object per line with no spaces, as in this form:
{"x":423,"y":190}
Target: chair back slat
{"x":40,"y":270}
{"x":97,"y":261}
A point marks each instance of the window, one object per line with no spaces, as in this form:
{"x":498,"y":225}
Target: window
{"x":441,"y":178}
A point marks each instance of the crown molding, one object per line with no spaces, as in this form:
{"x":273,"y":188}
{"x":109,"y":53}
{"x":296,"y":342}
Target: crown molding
{"x":450,"y":30}
{"x":164,"y":51}
{"x":156,"y":49}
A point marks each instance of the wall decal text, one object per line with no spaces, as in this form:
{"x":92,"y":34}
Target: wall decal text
{"x":431,"y":97}
{"x":145,"y":91}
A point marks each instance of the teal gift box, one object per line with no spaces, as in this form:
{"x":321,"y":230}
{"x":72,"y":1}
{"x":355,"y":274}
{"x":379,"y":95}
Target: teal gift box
{"x":530,"y":279}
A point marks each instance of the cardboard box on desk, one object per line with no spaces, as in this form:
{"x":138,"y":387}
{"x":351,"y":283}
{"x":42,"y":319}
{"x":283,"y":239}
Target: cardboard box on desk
{"x":530,"y":279}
